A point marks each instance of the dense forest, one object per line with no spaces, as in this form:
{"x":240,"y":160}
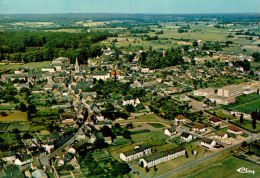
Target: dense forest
{"x":156,"y":60}
{"x":29,"y":46}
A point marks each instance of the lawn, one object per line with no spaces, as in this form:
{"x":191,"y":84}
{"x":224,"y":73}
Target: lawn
{"x":155,"y":138}
{"x":228,"y":169}
{"x":14,"y":116}
{"x":13,"y":66}
{"x":246,"y":103}
{"x":221,"y":114}
{"x":247,"y":125}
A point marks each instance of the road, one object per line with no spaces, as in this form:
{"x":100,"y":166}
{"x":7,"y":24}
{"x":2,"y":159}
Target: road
{"x":72,"y":139}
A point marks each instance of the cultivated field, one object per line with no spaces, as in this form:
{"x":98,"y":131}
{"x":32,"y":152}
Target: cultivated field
{"x":246,"y":104}
{"x":9,"y":67}
{"x":14,"y":116}
{"x":228,"y":169}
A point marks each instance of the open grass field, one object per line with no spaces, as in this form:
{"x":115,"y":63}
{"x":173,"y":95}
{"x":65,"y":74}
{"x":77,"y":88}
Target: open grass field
{"x":14,"y":116}
{"x":172,"y":38}
{"x":247,"y":125}
{"x":153,"y":138}
{"x":4,"y":67}
{"x":246,"y":104}
{"x":220,"y":113}
{"x":228,"y":169}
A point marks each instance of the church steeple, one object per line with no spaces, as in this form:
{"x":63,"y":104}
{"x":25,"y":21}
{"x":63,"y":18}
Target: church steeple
{"x":77,"y":65}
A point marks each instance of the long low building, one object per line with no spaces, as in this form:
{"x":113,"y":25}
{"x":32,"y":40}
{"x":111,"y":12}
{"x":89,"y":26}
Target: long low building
{"x":138,"y":152}
{"x":161,"y":157}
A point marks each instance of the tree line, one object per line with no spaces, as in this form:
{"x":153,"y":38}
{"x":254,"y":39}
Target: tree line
{"x":28,"y":46}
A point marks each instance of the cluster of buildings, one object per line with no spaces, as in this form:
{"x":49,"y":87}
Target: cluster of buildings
{"x":148,"y":159}
{"x":227,"y":95}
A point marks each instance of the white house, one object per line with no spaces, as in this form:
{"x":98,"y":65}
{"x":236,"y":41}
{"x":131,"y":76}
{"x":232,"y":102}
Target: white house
{"x":133,"y":102}
{"x":48,"y":148}
{"x":23,"y":160}
{"x":170,"y":131}
{"x":161,"y":157}
{"x":234,"y":130}
{"x":186,"y":137}
{"x":180,"y":119}
{"x":145,"y":70}
{"x":10,"y":158}
{"x":215,"y":121}
{"x":199,"y":128}
{"x":101,"y":76}
{"x":207,"y":142}
{"x":100,"y":118}
{"x":138,"y":152}
{"x":48,"y":69}
{"x":221,"y":136}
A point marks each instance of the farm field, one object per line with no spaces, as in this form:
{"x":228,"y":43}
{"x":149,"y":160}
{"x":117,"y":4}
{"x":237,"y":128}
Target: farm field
{"x":228,"y":169}
{"x":246,"y":104}
{"x":9,"y":67}
{"x":14,"y":116}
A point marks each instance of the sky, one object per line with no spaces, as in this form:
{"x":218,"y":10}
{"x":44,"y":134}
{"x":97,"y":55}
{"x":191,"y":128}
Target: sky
{"x":128,"y":6}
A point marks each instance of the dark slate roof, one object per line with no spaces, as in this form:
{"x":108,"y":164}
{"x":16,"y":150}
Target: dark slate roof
{"x":185,"y":134}
{"x":206,"y":140}
{"x":138,"y":150}
{"x":162,"y":154}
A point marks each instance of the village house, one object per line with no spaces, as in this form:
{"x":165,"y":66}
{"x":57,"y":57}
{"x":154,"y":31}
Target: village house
{"x":180,"y":119}
{"x":9,"y":157}
{"x":199,"y":128}
{"x":170,"y":131}
{"x":234,"y":130}
{"x":138,"y":152}
{"x":133,"y":102}
{"x":186,"y":137}
{"x":108,"y":140}
{"x":101,"y":76}
{"x":48,"y":69}
{"x":145,"y":70}
{"x":161,"y":157}
{"x":207,"y":142}
{"x":221,"y":136}
{"x":23,"y":160}
{"x":215,"y":121}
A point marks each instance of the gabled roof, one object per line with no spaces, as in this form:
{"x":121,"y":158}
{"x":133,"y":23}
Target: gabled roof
{"x":162,"y":154}
{"x":234,"y":128}
{"x":206,"y":140}
{"x":198,"y":126}
{"x":134,"y":151}
{"x":185,"y":134}
{"x":172,"y":129}
{"x":215,"y":119}
{"x":180,"y":117}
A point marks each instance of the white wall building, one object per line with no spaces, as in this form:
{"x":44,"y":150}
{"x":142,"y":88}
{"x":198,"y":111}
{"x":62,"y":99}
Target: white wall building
{"x":138,"y":152}
{"x":161,"y":157}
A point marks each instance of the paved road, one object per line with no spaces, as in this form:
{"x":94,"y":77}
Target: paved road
{"x":71,"y":140}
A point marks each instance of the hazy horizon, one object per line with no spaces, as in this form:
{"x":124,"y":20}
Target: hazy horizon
{"x":128,"y":6}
